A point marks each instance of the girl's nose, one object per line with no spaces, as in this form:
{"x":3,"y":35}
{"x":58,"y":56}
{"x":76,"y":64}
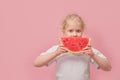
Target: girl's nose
{"x":74,"y":34}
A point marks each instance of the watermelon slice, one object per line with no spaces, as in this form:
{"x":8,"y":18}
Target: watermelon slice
{"x":75,"y":44}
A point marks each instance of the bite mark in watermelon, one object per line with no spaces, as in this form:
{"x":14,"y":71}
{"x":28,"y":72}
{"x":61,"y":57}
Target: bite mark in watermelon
{"x":75,"y":44}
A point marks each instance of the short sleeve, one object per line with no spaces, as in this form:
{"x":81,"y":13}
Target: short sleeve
{"x":49,"y":51}
{"x":97,"y":52}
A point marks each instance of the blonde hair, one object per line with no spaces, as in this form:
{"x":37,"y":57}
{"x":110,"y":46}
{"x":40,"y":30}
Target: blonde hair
{"x":73,"y":19}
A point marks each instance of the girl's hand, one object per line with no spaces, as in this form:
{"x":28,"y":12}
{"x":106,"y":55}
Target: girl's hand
{"x":88,"y":51}
{"x":61,"y":49}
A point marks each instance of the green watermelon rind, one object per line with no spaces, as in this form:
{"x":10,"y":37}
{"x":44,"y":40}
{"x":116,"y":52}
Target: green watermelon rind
{"x":78,"y":52}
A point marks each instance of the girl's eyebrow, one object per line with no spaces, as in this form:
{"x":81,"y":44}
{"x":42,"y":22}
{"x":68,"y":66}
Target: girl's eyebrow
{"x":69,"y":29}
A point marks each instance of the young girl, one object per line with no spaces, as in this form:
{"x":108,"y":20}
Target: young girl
{"x":73,"y":66}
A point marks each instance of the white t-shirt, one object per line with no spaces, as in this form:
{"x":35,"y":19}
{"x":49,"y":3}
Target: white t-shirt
{"x":73,"y":66}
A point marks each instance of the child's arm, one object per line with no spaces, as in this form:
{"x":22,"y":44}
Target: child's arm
{"x":44,"y":59}
{"x":103,"y":63}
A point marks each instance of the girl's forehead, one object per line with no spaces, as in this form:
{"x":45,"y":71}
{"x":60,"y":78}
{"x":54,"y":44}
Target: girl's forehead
{"x":73,"y":27}
{"x":73,"y":22}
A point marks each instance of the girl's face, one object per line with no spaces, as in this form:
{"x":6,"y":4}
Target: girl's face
{"x":73,"y":30}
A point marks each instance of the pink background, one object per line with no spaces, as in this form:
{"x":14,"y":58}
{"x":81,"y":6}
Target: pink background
{"x":28,"y":27}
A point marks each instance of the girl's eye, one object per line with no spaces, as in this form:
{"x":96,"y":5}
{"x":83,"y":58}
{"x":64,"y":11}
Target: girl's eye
{"x":78,"y":30}
{"x":70,"y":30}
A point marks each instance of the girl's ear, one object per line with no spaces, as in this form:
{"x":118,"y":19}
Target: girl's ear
{"x":63,"y":31}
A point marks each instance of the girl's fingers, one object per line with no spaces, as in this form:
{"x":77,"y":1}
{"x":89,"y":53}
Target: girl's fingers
{"x":89,"y":45}
{"x":61,"y":45}
{"x":86,"y":48}
{"x":85,"y":51}
{"x":63,"y":48}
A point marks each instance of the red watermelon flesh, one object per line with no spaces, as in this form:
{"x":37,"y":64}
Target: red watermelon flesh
{"x":75,"y":44}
